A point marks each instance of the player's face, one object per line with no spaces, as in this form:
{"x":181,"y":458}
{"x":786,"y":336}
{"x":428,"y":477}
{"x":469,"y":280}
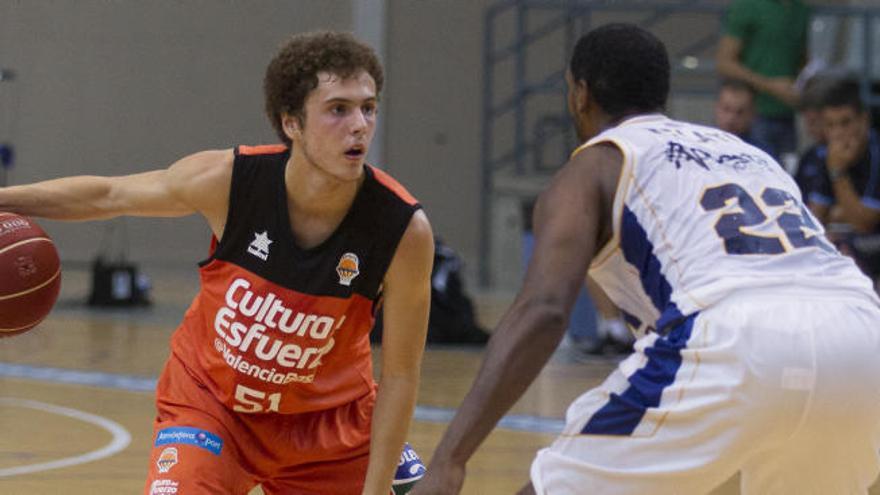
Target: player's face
{"x":734,"y":111}
{"x":845,"y":123}
{"x":338,"y":127}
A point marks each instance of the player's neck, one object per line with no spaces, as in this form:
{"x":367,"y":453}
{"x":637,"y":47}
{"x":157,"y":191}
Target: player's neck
{"x":619,"y":119}
{"x":313,"y":191}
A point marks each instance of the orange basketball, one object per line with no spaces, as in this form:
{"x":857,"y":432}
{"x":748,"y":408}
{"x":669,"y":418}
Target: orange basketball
{"x":30,"y":274}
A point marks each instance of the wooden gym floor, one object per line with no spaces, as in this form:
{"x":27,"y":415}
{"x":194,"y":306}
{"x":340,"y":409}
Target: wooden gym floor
{"x":76,"y":402}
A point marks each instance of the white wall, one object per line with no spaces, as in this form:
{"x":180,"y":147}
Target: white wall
{"x":433,"y":108}
{"x":115,"y":87}
{"x":120,"y":86}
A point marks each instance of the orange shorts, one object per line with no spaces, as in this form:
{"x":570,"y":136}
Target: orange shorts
{"x":201,"y":447}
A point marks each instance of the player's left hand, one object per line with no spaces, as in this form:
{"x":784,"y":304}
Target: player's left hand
{"x":441,"y":479}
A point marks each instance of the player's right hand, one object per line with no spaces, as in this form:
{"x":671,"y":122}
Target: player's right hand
{"x":441,"y":479}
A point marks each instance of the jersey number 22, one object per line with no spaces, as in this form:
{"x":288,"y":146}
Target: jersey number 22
{"x":793,"y":228}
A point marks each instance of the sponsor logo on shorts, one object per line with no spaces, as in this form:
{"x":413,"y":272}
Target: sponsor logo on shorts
{"x":190,"y":436}
{"x":167,"y":459}
{"x":163,"y":487}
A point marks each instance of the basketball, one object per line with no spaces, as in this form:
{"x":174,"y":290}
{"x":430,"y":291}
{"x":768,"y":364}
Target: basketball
{"x":410,"y":469}
{"x":30,"y":274}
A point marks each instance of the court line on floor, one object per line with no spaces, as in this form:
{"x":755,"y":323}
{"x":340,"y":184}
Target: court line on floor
{"x":121,"y":437}
{"x":132,"y":383}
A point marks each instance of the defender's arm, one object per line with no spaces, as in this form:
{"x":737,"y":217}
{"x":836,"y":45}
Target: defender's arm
{"x":571,"y":220}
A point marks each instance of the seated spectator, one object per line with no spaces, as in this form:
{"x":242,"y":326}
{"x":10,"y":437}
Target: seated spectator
{"x":811,"y":104}
{"x":844,"y":193}
{"x":735,"y":109}
{"x":810,"y":167}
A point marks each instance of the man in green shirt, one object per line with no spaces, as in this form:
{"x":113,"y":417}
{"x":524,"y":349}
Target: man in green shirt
{"x":764,"y":45}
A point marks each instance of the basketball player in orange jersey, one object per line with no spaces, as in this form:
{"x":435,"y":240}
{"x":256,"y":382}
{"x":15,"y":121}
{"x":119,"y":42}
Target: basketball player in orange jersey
{"x":270,"y":379}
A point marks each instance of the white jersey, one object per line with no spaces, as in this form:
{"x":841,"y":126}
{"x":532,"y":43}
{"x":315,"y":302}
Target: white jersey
{"x":699,"y":214}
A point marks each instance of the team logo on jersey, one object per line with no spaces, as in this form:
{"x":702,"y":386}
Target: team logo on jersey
{"x":260,"y":245}
{"x":167,"y":459}
{"x":348,"y":268}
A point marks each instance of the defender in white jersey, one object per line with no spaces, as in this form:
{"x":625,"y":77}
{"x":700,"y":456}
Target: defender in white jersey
{"x":759,"y":344}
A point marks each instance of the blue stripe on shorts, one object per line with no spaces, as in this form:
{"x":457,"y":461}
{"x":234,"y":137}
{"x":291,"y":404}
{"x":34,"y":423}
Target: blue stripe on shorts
{"x":623,"y":412}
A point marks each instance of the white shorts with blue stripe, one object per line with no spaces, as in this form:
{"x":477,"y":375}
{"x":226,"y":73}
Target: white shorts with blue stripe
{"x":784,"y":389}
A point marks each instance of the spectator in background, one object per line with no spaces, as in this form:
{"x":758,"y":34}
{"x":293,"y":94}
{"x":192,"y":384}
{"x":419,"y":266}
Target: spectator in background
{"x":735,"y":109}
{"x":764,"y":45}
{"x":810,"y":166}
{"x":811,"y":104}
{"x":844,"y":192}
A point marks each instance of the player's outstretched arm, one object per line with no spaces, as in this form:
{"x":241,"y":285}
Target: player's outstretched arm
{"x":405,"y":325}
{"x":569,"y":223}
{"x":187,"y":186}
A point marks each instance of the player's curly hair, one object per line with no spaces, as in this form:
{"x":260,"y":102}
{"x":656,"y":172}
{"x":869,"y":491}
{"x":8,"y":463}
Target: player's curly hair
{"x":293,"y":73}
{"x":625,"y":67}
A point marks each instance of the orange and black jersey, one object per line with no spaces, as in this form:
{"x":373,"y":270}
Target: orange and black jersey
{"x":278,"y":328}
